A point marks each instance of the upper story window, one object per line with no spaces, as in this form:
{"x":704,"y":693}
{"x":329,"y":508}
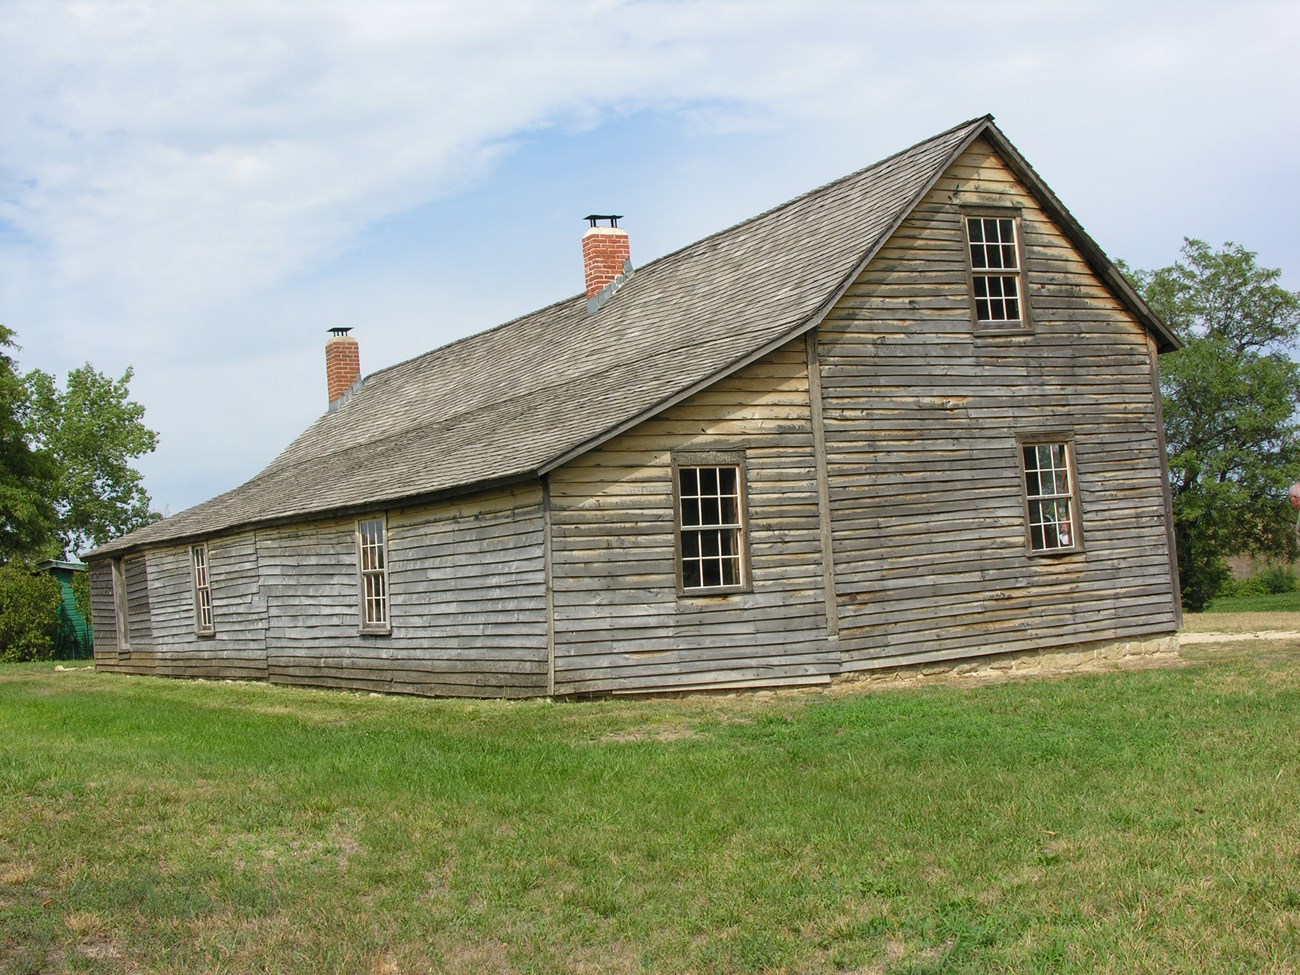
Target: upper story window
{"x":203,"y":622}
{"x":997,"y":292}
{"x":121,"y":606}
{"x":372,"y":564}
{"x":1051,"y":513}
{"x":712,"y":547}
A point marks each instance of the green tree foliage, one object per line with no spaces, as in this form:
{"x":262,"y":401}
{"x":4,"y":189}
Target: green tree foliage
{"x":29,"y":612}
{"x":93,"y":430}
{"x":28,"y":477}
{"x":1230,"y":398}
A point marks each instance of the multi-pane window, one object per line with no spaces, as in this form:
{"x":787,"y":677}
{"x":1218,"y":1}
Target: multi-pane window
{"x":711,"y":526}
{"x":995,"y":270}
{"x":1049,"y":497}
{"x":203,"y":622}
{"x":121,"y":607}
{"x":372,"y":560}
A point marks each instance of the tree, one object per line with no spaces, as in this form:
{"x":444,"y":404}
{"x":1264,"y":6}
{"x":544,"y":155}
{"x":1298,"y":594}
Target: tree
{"x":29,"y":612}
{"x":28,"y":477}
{"x":1230,"y":397}
{"x":93,"y":430}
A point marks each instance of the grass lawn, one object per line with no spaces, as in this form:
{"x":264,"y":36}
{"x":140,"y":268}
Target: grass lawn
{"x":1144,"y":821}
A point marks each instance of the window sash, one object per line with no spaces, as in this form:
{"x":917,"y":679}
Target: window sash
{"x":203,"y":620}
{"x":993,"y":252}
{"x":1051,"y":523}
{"x":711,"y":527}
{"x":372,"y":567}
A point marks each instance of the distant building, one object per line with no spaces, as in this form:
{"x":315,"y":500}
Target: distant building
{"x":75,"y":639}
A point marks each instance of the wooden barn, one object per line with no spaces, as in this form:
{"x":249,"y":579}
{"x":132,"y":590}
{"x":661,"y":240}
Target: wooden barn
{"x":911,"y":417}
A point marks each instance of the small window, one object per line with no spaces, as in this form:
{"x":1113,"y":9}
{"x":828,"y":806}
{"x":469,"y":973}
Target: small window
{"x":993,"y":246}
{"x":372,"y":561}
{"x":121,"y":607}
{"x":203,"y":623}
{"x":1050,"y":509}
{"x":711,"y":543}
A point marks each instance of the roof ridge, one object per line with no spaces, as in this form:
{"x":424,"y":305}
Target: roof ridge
{"x":695,"y":243}
{"x":818,"y":189}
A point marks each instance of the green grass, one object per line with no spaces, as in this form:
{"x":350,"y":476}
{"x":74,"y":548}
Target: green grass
{"x":1144,"y":821}
{"x":1281,"y":602}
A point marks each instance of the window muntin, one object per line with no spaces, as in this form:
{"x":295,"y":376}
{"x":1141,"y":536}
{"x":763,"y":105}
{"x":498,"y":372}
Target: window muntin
{"x":1050,"y":510}
{"x":994,"y":253}
{"x":121,"y":607}
{"x":203,"y":621}
{"x":372,"y":564}
{"x":711,"y":526}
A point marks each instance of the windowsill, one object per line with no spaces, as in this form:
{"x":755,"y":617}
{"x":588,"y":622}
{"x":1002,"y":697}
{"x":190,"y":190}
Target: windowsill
{"x":1056,"y":553}
{"x":376,"y":631}
{"x":205,"y":634}
{"x":990,"y":329}
{"x":711,"y":593}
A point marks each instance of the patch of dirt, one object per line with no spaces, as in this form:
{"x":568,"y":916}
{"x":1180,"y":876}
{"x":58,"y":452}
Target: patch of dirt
{"x":647,"y":734}
{"x":1237,"y":636}
{"x":13,"y":875}
{"x":1239,"y":623}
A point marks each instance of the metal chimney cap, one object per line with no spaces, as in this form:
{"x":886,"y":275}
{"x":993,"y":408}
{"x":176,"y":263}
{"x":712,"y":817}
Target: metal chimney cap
{"x":338,"y":331}
{"x":613,"y":218}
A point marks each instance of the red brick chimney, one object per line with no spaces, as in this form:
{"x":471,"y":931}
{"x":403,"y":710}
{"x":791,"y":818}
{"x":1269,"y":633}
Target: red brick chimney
{"x":606,"y":255}
{"x":342,"y":363}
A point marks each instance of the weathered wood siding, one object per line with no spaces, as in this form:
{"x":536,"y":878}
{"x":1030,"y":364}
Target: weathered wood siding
{"x":139,"y":657}
{"x":102,"y":616}
{"x":921,"y":420}
{"x":467,"y":601}
{"x":238,"y":647}
{"x":619,"y":623}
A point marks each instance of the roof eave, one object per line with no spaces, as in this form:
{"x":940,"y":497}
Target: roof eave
{"x":109,"y":549}
{"x":1166,"y":340}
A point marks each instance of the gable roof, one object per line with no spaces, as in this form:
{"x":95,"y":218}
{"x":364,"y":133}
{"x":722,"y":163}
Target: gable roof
{"x":518,"y":400}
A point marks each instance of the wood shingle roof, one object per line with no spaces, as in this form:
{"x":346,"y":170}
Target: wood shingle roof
{"x":515,"y":401}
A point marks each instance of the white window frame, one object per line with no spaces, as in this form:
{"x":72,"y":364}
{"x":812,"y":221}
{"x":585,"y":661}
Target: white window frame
{"x":707,"y":535}
{"x":121,"y":606}
{"x":201,"y":579}
{"x":996,"y":265}
{"x":1049,"y":483}
{"x":372,"y":574}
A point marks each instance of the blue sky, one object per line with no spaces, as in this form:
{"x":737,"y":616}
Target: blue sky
{"x":200,"y":189}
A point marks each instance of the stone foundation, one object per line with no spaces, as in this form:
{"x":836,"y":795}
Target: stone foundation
{"x":1159,"y":651}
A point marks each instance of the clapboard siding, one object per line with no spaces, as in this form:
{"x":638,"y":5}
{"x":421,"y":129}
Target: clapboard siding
{"x":467,"y":601}
{"x":103,"y":616}
{"x":237,"y":648}
{"x":619,"y":624}
{"x":921,"y":416}
{"x":138,"y":658}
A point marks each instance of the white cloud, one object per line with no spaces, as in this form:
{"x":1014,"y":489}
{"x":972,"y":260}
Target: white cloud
{"x":173,"y":174}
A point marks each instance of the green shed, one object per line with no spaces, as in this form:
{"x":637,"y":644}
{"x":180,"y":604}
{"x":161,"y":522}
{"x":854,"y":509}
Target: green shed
{"x":75,"y":639}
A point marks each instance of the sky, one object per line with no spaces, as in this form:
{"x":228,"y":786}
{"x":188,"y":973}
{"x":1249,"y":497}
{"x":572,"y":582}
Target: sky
{"x":200,"y":190}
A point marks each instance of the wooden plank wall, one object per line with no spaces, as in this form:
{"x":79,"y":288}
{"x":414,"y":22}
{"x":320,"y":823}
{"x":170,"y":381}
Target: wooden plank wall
{"x":619,"y":624}
{"x":238,"y":648}
{"x":140,"y":658}
{"x":467,"y":601}
{"x":102,"y":615}
{"x":921,"y":421}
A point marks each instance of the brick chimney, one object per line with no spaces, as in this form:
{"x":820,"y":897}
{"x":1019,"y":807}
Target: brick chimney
{"x":606,"y":257}
{"x":342,"y":363}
